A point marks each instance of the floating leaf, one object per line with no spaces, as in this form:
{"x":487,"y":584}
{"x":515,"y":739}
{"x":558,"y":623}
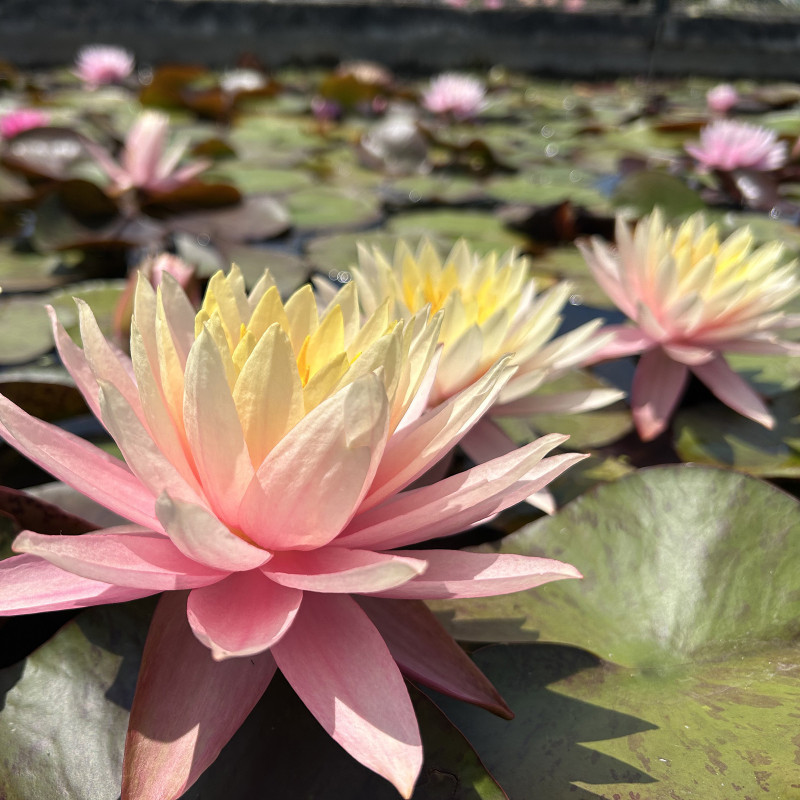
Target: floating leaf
{"x":644,"y":191}
{"x":721,"y":437}
{"x":47,"y":393}
{"x":680,"y":563}
{"x":328,"y":207}
{"x":484,"y":231}
{"x":24,"y":330}
{"x":102,"y":297}
{"x":44,"y":152}
{"x":585,"y":730}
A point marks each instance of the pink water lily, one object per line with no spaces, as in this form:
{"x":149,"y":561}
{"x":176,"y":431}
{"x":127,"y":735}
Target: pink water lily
{"x":459,"y":96}
{"x":693,"y":298}
{"x":15,"y":122}
{"x":728,"y":144}
{"x":147,"y":162}
{"x":266,"y":453}
{"x":100,"y":64}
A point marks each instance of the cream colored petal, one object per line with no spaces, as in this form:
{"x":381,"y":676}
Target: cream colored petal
{"x":268,"y":394}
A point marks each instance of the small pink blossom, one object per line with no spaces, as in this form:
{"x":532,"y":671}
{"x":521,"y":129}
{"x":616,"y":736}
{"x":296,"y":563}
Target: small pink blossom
{"x":722,"y":98}
{"x":22,"y":119}
{"x":460,"y":96}
{"x":572,"y":6}
{"x":146,"y":162}
{"x":728,"y":145}
{"x":100,"y":64}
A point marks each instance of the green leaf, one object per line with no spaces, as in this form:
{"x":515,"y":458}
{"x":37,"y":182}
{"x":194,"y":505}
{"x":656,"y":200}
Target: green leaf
{"x":720,"y":437}
{"x":327,"y":207}
{"x":585,"y":730}
{"x":24,"y":330}
{"x":681,"y":563}
{"x":102,"y":297}
{"x":643,"y":191}
{"x":64,"y":711}
{"x":484,"y":231}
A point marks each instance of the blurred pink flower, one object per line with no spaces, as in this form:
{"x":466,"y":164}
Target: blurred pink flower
{"x":266,"y":453}
{"x":99,"y":64}
{"x":727,"y":145}
{"x":493,"y":5}
{"x":22,"y":119}
{"x":722,"y":98}
{"x":146,"y":163}
{"x":693,"y":298}
{"x":459,"y":96}
{"x":573,"y":6}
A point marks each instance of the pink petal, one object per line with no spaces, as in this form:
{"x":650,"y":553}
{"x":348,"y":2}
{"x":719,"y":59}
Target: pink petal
{"x":688,"y":354}
{"x":410,"y":452}
{"x":768,"y":346}
{"x":487,"y":441}
{"x":198,"y":534}
{"x":734,"y":391}
{"x":131,"y":557}
{"x":658,"y":384}
{"x":419,"y":404}
{"x":426,"y":652}
{"x":339,"y":665}
{"x":457,"y":573}
{"x":314,"y":478}
{"x":75,"y":361}
{"x":29,"y":584}
{"x":242,"y":615}
{"x":627,"y":341}
{"x":141,"y":452}
{"x":576,"y":402}
{"x":87,"y":468}
{"x":455,"y":503}
{"x":337,"y":570}
{"x":186,"y":708}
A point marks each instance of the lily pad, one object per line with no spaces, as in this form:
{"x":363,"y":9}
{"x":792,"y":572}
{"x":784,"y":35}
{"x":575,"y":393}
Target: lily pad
{"x":102,"y":297}
{"x":251,"y":179}
{"x":24,"y":330}
{"x":681,"y":564}
{"x":484,"y":230}
{"x":47,"y":393}
{"x":321,"y":208}
{"x":567,"y":263}
{"x":641,"y":192}
{"x":721,"y":437}
{"x":586,"y":730}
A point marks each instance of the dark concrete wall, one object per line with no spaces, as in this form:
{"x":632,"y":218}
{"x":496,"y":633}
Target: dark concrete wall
{"x":420,"y":37}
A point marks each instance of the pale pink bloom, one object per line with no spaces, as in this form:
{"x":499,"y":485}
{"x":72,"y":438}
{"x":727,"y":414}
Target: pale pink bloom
{"x":727,"y":145}
{"x":266,"y":453}
{"x":491,"y":307}
{"x":456,"y":95}
{"x":99,"y":64}
{"x":692,"y":298}
{"x":493,"y":5}
{"x":22,"y":119}
{"x":722,"y":98}
{"x":146,"y":162}
{"x":572,"y":6}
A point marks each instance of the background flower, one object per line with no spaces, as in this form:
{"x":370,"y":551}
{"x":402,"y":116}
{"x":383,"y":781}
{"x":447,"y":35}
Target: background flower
{"x":99,"y":64}
{"x":692,"y":298}
{"x":727,"y":144}
{"x":460,"y":96}
{"x":265,"y":449}
{"x":22,"y":119}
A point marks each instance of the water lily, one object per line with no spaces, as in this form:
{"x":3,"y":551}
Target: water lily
{"x":459,"y":96}
{"x":146,"y":162}
{"x":722,"y":98}
{"x":15,"y":122}
{"x":692,"y":298}
{"x":100,"y":64}
{"x":728,"y":144}
{"x":266,"y":449}
{"x":491,"y":308}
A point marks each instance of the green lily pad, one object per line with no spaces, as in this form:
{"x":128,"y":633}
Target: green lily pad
{"x":288,"y":271}
{"x":31,"y":272}
{"x":586,"y":730}
{"x":327,"y":207}
{"x":484,"y":231}
{"x":251,"y":179}
{"x":681,"y":563}
{"x":641,"y":192}
{"x":434,"y":189}
{"x":24,"y":330}
{"x":47,"y":393}
{"x":721,"y":437}
{"x":552,"y":185}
